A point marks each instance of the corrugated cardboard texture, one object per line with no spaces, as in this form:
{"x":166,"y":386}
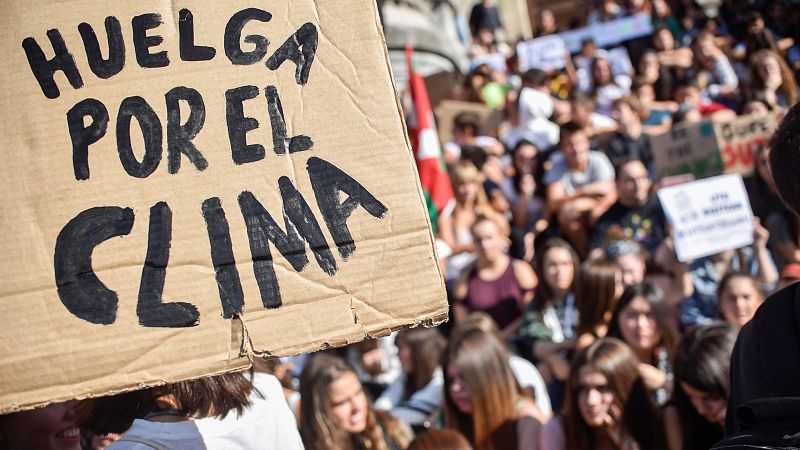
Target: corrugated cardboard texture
{"x":347,"y":107}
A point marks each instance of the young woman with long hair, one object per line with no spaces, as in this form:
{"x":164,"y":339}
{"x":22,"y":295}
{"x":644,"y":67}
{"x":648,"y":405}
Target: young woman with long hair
{"x":608,"y":406}
{"x":596,"y":296}
{"x":417,"y":394}
{"x":695,"y":416}
{"x":483,"y":400}
{"x":455,"y":229}
{"x":772,"y":81}
{"x":642,"y":319}
{"x":550,"y":322}
{"x":335,"y":413}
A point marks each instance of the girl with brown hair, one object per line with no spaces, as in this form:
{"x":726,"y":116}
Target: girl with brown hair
{"x":455,"y":229}
{"x":482,"y":398}
{"x":335,"y":413}
{"x":596,"y":296}
{"x":644,"y":321}
{"x":607,"y":404}
{"x":416,"y":395}
{"x":772,"y":81}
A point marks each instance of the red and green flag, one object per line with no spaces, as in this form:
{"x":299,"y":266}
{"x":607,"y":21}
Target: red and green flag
{"x":427,"y":150}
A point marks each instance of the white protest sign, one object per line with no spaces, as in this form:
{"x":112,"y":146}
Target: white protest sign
{"x":544,"y":53}
{"x":708,"y":216}
{"x":495,"y":61}
{"x":609,"y":33}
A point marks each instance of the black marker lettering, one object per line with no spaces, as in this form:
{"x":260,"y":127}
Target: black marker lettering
{"x":104,"y":68}
{"x":151,"y":310}
{"x":79,"y":289}
{"x":189,"y":51}
{"x":301,"y":227}
{"x":306,"y":37}
{"x":44,"y":69}
{"x":233,"y":37}
{"x":151,"y":131}
{"x":278,"y":122}
{"x":239,"y":125}
{"x":219,"y":235}
{"x":142,"y":42}
{"x":179,"y":137}
{"x":328,"y":181}
{"x":83,"y":136}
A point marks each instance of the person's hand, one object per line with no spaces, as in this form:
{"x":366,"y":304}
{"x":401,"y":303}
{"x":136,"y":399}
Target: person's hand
{"x":372,"y":361}
{"x":527,"y":185}
{"x":559,"y":366}
{"x":760,"y":235}
{"x":652,"y":377}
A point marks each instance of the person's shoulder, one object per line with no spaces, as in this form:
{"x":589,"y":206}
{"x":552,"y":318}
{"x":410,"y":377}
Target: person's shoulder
{"x":553,"y":436}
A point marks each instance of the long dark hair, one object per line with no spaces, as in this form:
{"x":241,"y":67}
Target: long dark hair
{"x":703,"y":362}
{"x":660,"y":310}
{"x":616,"y":361}
{"x":594,"y":295}
{"x":215,"y":395}
{"x":544,"y":293}
{"x":427,"y":348}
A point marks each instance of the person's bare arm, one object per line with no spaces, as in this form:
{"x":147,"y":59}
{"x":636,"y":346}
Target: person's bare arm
{"x":444,"y":230}
{"x":680,"y":57}
{"x":767,"y":273}
{"x":556,"y":197}
{"x":598,"y":189}
{"x":673,"y":428}
{"x":605,"y":192}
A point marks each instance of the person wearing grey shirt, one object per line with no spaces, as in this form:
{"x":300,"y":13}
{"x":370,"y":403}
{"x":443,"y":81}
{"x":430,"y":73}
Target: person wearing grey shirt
{"x":580,"y":185}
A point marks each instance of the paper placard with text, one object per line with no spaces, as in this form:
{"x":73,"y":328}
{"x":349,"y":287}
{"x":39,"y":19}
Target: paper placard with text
{"x":708,"y":216}
{"x":545,"y":53}
{"x":190,"y":183}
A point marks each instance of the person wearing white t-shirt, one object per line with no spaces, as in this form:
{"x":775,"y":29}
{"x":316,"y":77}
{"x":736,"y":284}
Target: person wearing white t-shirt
{"x":232,"y":411}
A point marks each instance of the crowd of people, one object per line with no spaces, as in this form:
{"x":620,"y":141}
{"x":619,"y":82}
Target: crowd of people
{"x":574,"y":325}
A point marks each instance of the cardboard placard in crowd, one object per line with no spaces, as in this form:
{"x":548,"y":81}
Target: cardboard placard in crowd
{"x":708,"y":216}
{"x":190,"y":183}
{"x":545,"y":53}
{"x":448,"y":110}
{"x":740,"y":139}
{"x":711,"y":148}
{"x":687,"y":148}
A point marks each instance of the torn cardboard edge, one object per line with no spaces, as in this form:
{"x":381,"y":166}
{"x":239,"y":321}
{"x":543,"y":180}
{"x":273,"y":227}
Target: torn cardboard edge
{"x":242,"y":359}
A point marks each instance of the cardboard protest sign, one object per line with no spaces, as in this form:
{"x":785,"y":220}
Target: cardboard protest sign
{"x":739,"y":140}
{"x":545,"y":53}
{"x":448,"y":110}
{"x":687,"y":148}
{"x":189,"y":183}
{"x":708,"y":148}
{"x":708,"y":216}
